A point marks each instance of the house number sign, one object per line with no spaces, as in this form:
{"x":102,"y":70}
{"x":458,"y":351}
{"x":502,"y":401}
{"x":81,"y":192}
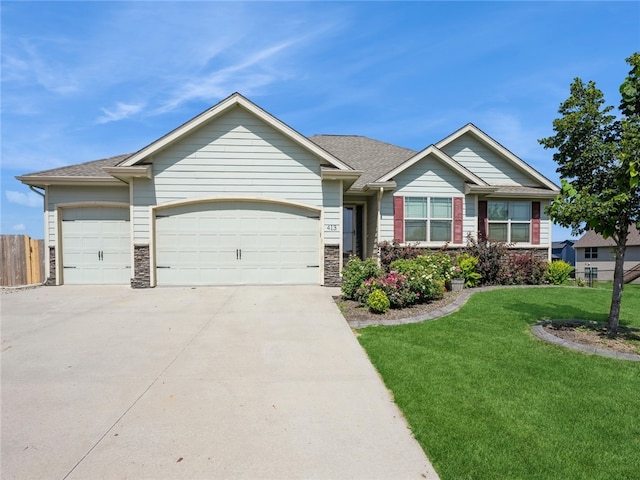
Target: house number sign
{"x":332,"y":227}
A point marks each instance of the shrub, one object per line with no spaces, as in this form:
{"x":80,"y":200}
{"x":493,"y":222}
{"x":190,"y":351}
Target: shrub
{"x":490,"y":257}
{"x":558,"y":272}
{"x":355,"y":272}
{"x":392,"y":251}
{"x":439,"y":263}
{"x":468,"y":265}
{"x":395,"y":285}
{"x":423,"y":277}
{"x":378,"y":302}
{"x":523,"y":270}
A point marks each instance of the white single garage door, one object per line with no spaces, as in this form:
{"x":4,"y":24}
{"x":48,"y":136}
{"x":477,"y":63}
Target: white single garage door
{"x":96,"y":246}
{"x":237,"y":243}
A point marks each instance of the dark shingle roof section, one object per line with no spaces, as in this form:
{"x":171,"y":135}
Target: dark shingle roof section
{"x":87,"y":169}
{"x":373,"y":157}
{"x":593,"y":239}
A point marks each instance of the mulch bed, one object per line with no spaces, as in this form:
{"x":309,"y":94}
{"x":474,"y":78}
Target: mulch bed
{"x":594,"y":334}
{"x":354,"y":311}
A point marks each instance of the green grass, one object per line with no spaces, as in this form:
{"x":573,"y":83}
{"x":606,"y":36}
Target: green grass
{"x":488,"y":400}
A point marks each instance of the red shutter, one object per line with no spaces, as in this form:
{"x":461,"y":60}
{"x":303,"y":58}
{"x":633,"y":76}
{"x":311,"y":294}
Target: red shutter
{"x":535,"y":223}
{"x":398,"y":219}
{"x":483,"y":221}
{"x":457,"y":219}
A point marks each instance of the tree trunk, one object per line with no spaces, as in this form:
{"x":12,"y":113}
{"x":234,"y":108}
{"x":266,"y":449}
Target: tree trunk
{"x":616,"y":294}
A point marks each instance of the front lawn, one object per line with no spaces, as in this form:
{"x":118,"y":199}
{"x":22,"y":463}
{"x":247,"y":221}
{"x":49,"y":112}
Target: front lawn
{"x":488,"y":400}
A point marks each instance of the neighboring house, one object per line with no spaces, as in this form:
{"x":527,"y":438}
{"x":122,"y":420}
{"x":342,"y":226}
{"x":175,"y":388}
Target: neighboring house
{"x":235,"y":196}
{"x":595,"y":257}
{"x":564,"y":251}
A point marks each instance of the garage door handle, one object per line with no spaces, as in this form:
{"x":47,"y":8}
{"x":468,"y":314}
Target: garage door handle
{"x":69,"y":267}
{"x":238,"y":254}
{"x":313,"y":266}
{"x":162,"y":266}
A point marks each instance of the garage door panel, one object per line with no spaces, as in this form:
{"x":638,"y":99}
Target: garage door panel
{"x":96,"y":245}
{"x":244,"y":243}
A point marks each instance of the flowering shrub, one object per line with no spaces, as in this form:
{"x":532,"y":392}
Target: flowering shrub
{"x":355,"y":272}
{"x":423,"y":277}
{"x":491,"y":256}
{"x":395,"y":285}
{"x":439,"y":264}
{"x":378,"y":302}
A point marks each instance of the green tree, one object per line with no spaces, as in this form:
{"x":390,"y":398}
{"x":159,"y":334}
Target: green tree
{"x":597,"y":154}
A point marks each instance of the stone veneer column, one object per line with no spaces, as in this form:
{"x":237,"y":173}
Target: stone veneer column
{"x":332,"y":266}
{"x":51,"y":280}
{"x":141,"y":267}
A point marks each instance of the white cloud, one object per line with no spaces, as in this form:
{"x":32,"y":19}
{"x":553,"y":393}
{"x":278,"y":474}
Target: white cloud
{"x":30,"y":199}
{"x":20,"y":227}
{"x":120,"y":112}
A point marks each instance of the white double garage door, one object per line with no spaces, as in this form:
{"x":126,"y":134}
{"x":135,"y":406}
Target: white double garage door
{"x":212,"y":243}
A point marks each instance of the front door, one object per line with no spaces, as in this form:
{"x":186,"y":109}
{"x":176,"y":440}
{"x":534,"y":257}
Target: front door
{"x":352,"y":227}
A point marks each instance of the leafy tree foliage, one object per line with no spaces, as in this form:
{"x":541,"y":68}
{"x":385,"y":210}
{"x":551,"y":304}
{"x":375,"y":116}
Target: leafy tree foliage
{"x":597,"y":154}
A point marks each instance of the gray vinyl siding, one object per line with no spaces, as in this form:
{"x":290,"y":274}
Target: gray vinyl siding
{"x":82,"y":195}
{"x":605,"y":263}
{"x":236,"y":155}
{"x":486,"y":163}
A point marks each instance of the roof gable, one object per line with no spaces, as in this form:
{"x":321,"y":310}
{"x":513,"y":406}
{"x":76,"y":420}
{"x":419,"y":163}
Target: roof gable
{"x":233,"y":101}
{"x":440,"y":156}
{"x":514,"y":166}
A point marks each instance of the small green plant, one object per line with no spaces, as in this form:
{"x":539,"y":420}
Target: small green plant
{"x":378,"y":302}
{"x":357,"y":271}
{"x":557,"y":272}
{"x":467,"y":265}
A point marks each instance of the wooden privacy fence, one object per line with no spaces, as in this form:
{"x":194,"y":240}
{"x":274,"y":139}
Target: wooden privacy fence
{"x":22,"y":260}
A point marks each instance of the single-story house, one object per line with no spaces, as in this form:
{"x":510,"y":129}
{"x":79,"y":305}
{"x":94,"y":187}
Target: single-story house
{"x":563,"y":251}
{"x":595,"y":257}
{"x":236,"y":196}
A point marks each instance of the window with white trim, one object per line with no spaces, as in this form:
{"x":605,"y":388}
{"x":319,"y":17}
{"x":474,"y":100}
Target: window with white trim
{"x":428,"y":219}
{"x":509,"y":221}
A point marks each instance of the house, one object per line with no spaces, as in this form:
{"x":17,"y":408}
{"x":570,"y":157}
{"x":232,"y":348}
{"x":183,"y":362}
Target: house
{"x":595,"y":257}
{"x":236,"y":196}
{"x":563,"y":251}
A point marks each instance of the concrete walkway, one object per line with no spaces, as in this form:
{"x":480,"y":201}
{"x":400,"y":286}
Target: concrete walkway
{"x":180,"y":383}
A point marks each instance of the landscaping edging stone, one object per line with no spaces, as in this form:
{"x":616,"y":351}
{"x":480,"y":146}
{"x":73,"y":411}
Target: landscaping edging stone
{"x":536,"y":329}
{"x":539,"y":331}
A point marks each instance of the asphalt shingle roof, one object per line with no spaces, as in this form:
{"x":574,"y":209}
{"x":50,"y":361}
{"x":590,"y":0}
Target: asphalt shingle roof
{"x":373,"y":157}
{"x":593,"y":239}
{"x":94,"y":168}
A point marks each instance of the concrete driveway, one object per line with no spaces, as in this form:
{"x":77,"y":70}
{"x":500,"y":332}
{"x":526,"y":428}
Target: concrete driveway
{"x":193,"y":383}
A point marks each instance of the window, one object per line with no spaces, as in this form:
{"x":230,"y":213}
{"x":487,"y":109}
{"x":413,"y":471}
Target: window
{"x":509,"y":221}
{"x":591,"y":273}
{"x":591,"y":252}
{"x":427,"y":219}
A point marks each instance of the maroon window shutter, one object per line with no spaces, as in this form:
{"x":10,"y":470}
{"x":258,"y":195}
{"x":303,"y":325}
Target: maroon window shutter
{"x":398,"y":219}
{"x":483,"y":221}
{"x":535,"y":223}
{"x":458,"y":215}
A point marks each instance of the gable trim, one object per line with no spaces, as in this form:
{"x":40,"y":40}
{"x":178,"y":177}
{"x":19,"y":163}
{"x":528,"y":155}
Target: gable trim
{"x":235,"y":100}
{"x":502,"y":151}
{"x":439,"y":155}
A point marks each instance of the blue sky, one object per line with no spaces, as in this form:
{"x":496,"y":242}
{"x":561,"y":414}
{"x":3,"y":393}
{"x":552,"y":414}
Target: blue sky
{"x":87,"y":80}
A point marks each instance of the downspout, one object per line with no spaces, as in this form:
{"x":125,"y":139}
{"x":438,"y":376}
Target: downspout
{"x":32,"y":188}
